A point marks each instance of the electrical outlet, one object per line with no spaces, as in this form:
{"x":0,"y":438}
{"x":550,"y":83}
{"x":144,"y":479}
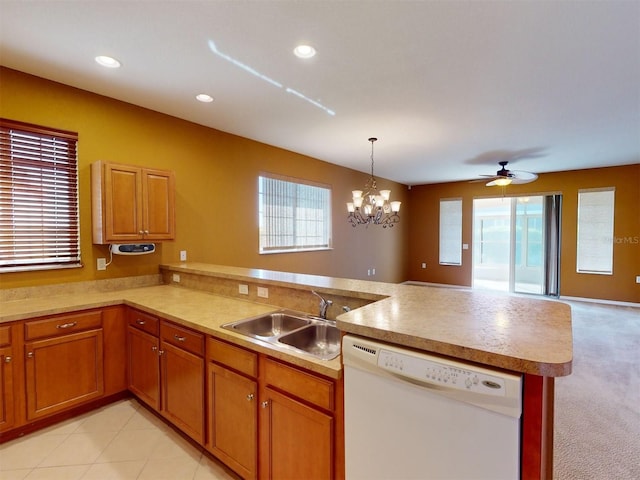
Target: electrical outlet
{"x":243,"y":289}
{"x":368,"y":272}
{"x":263,"y":292}
{"x":424,"y":265}
{"x":183,"y":255}
{"x":176,"y":278}
{"x":102,"y":264}
{"x":637,"y":278}
{"x":465,"y":246}
{"x":373,"y":271}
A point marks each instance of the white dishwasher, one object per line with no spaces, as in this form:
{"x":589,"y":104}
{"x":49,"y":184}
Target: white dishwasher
{"x":411,"y":415}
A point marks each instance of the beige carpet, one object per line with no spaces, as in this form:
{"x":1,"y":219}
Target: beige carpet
{"x":597,"y":415}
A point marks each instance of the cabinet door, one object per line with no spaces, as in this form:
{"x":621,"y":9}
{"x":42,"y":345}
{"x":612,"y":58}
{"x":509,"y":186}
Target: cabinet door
{"x":183,"y":390}
{"x":123,"y":206}
{"x":233,"y":419}
{"x":143,"y":366}
{"x":62,"y":372}
{"x":6,"y":389}
{"x":158,"y":193}
{"x":296,"y":441}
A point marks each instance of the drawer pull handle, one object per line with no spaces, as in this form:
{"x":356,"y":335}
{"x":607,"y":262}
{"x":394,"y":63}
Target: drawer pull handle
{"x":249,"y":397}
{"x":265,"y":404}
{"x":30,"y":355}
{"x":7,"y":359}
{"x":67,"y":325}
{"x":140,"y":322}
{"x":179,"y":338}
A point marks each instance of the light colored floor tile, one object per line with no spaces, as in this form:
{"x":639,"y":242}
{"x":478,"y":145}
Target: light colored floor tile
{"x":110,"y":418}
{"x":210,"y":469}
{"x":142,"y":419}
{"x":115,"y":470}
{"x":180,"y":468}
{"x":70,"y":472}
{"x":172,"y":445}
{"x":130,"y":445}
{"x":65,"y":427}
{"x":78,"y":449}
{"x":29,"y":451}
{"x":15,"y":474}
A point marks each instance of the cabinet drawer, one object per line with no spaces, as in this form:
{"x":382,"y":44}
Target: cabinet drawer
{"x":62,"y":325}
{"x":5,"y":335}
{"x":306,"y":386}
{"x":232,"y":356}
{"x":182,"y":337}
{"x":143,"y":321}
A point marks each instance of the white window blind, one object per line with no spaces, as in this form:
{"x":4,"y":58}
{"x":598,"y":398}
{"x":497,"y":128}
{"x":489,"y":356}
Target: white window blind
{"x":39,"y":227}
{"x":294,"y":215}
{"x":595,"y":231}
{"x":451,"y":231}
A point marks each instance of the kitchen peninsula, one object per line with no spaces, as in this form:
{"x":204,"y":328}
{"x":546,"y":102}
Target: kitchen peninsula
{"x":522,"y":335}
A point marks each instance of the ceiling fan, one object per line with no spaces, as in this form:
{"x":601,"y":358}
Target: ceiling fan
{"x":505,"y":177}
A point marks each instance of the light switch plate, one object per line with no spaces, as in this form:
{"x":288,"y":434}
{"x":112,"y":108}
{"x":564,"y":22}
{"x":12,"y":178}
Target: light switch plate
{"x":263,"y":292}
{"x":183,"y":255}
{"x":243,"y":289}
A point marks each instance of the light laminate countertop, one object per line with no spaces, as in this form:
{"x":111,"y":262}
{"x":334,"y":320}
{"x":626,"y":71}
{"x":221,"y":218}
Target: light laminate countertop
{"x":520,"y":334}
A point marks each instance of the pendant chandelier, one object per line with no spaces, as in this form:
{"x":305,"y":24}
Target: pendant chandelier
{"x":372,"y":206}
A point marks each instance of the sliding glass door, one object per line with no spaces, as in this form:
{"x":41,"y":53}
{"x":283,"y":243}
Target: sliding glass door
{"x":516,"y":244}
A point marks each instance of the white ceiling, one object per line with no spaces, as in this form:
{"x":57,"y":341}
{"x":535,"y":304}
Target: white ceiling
{"x":449,"y":87}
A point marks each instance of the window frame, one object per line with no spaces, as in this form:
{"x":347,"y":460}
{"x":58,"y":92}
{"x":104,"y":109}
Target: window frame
{"x":40,"y":218}
{"x":601,"y":235}
{"x":266,"y":247}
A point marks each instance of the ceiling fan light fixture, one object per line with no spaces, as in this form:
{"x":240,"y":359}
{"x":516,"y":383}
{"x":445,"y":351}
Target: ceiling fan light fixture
{"x":500,"y":182}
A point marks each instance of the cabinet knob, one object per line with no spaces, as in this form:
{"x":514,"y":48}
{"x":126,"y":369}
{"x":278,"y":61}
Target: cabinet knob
{"x":146,"y":232}
{"x":154,"y":349}
{"x":160,"y":352}
{"x":265,"y":404}
{"x":140,"y":232}
{"x":249,"y":397}
{"x":30,"y":355}
{"x":140,"y":322}
{"x":179,"y":338}
{"x":7,"y":359}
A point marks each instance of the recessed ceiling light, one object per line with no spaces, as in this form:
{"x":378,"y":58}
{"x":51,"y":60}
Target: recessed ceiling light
{"x":203,"y":97}
{"x":108,"y":62}
{"x":304,"y":51}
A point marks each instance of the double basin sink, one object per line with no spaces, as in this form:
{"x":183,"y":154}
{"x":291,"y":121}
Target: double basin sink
{"x":292,"y":330}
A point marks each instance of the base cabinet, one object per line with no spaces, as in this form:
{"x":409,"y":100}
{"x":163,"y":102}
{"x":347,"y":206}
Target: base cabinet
{"x":63,"y":363}
{"x":7,"y":410}
{"x":165,"y":365}
{"x":233,"y":419}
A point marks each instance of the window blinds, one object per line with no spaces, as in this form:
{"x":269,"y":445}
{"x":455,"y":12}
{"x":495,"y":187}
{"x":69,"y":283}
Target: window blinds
{"x":39,"y":225}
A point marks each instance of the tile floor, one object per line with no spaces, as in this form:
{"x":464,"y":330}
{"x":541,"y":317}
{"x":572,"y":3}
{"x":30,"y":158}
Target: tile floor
{"x":120,"y":441}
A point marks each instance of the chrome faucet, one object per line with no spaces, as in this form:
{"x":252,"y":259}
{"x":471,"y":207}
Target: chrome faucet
{"x":324,"y":304}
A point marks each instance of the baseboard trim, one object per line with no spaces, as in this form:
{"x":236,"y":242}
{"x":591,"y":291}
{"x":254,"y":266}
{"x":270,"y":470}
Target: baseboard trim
{"x":600,"y":300}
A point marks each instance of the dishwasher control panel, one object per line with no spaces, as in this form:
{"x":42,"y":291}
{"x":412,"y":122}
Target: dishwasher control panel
{"x":443,"y":374}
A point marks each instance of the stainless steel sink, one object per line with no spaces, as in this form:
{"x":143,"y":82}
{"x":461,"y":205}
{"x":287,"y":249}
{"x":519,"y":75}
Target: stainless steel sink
{"x":289,"y":330}
{"x":320,"y":340}
{"x":270,"y":325}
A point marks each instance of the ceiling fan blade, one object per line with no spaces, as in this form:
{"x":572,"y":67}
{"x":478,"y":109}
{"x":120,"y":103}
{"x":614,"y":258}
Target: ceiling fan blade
{"x":520,"y":177}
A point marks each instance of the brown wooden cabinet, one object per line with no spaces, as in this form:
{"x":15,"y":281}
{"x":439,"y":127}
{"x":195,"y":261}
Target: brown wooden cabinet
{"x":143,"y":357}
{"x":131,"y":203}
{"x":63,"y":362}
{"x":7,"y":413}
{"x":182,"y":378}
{"x":232,"y":406}
{"x":297,"y":425}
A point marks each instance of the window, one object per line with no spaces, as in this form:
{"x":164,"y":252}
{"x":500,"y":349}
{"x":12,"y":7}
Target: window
{"x":595,"y":231}
{"x":295,"y":215}
{"x":38,"y":198}
{"x":451,"y":232}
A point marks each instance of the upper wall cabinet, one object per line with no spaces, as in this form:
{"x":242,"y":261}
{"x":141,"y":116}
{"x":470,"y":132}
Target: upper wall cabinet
{"x":131,"y":204}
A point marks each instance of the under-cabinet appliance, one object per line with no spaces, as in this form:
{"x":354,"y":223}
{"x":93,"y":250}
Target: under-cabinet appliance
{"x":132,"y":248}
{"x":410,"y":415}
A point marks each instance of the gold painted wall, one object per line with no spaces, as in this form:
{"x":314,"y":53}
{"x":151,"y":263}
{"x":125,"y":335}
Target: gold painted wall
{"x":216,"y":179}
{"x":621,"y":286}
